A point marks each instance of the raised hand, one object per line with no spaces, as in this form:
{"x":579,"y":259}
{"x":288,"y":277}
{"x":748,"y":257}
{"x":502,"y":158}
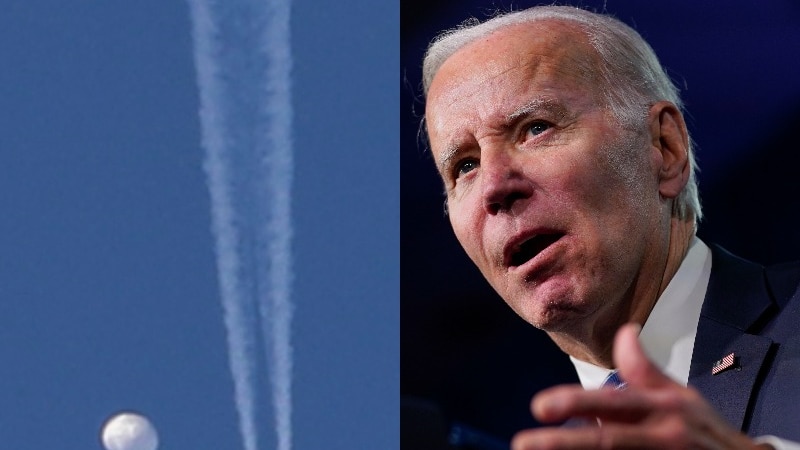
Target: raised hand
{"x":653,"y":412}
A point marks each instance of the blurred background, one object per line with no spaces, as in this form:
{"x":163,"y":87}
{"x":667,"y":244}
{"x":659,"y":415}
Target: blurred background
{"x":469,"y":365}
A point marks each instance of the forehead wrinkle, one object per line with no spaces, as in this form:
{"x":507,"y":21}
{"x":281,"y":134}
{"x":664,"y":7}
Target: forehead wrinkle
{"x":468,"y":84}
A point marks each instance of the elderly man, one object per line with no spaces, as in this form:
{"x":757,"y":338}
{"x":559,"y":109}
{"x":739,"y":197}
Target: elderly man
{"x":569,"y":177}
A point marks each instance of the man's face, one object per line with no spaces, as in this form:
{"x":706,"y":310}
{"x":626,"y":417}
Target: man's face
{"x":555,"y":202}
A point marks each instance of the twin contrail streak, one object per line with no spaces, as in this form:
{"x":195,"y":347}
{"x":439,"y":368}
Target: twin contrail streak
{"x":243,"y":62}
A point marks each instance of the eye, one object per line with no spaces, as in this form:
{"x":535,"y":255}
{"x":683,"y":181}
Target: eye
{"x":465,"y":166}
{"x":538,"y":127}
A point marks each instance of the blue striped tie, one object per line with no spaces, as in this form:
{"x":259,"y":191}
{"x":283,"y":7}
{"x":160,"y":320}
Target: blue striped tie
{"x":614,"y":381}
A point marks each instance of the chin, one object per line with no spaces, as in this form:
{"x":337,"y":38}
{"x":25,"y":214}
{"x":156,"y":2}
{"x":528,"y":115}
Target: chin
{"x":557,"y":319}
{"x":552,"y":315}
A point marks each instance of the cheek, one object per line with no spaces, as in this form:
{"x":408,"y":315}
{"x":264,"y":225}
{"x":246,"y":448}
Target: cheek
{"x":461,"y":224}
{"x":467,"y":228}
{"x":601,"y":190}
{"x":575,"y":186}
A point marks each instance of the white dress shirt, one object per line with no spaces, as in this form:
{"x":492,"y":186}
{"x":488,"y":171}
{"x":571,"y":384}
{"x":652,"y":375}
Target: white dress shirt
{"x":669,"y":332}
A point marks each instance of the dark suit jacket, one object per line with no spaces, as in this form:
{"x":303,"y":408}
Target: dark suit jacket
{"x":753,"y":312}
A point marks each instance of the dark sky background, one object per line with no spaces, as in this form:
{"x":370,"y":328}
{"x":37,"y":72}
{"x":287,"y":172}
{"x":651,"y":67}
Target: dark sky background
{"x":735,"y":63}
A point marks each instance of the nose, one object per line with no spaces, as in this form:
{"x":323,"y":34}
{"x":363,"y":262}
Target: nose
{"x":504,"y":183}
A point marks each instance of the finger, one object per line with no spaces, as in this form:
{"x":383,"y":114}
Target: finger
{"x":633,"y":364}
{"x":667,"y":434}
{"x":617,"y":437}
{"x":564,"y":402}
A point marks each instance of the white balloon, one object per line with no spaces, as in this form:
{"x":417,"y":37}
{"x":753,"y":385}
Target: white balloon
{"x":129,"y":431}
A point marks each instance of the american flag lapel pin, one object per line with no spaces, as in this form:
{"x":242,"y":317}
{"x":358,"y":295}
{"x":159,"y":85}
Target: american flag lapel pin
{"x":723,"y":364}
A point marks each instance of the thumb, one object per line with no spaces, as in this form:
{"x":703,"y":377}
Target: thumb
{"x":633,"y":365}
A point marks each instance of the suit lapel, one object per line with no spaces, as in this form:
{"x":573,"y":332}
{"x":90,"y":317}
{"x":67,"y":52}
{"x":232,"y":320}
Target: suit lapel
{"x":728,"y":391}
{"x":736,"y":299}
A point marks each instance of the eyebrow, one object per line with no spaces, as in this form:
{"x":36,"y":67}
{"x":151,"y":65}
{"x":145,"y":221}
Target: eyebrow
{"x":450,"y":152}
{"x":548,"y":105}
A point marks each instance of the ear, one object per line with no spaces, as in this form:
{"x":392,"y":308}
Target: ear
{"x":670,"y":142}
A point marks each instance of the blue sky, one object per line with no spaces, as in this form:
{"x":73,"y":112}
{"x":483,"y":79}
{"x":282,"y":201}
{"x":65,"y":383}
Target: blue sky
{"x":108,"y":290}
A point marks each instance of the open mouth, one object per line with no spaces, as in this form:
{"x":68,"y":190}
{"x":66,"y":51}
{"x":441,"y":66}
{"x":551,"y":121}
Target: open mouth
{"x":532,"y":247}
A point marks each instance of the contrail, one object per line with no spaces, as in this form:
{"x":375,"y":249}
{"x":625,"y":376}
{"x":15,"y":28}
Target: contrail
{"x":275,"y":307}
{"x":243,"y":62}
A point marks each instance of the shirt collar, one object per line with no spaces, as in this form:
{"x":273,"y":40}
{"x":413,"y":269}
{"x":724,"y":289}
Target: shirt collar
{"x":669,"y":332}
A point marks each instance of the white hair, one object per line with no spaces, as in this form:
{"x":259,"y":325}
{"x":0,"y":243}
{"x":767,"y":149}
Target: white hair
{"x":630,"y":76}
